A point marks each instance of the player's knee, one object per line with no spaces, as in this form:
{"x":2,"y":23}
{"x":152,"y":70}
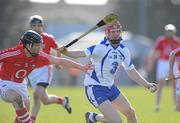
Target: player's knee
{"x":18,"y":98}
{"x":45,"y":100}
{"x":18,"y":101}
{"x":130,"y":112}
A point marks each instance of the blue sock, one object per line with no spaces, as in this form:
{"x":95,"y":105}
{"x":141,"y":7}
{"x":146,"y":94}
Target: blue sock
{"x":94,"y":117}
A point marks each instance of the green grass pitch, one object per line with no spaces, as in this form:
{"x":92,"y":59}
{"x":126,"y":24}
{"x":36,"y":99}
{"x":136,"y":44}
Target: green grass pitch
{"x":141,"y":99}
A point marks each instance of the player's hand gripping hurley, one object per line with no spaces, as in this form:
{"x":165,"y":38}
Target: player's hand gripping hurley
{"x":106,"y":20}
{"x":168,"y":79}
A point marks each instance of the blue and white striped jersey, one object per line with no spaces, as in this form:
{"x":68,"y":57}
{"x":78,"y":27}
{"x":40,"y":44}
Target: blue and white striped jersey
{"x":106,"y":59}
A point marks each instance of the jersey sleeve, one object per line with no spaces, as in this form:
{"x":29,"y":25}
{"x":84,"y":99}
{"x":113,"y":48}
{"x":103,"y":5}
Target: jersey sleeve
{"x":54,"y":44}
{"x":89,"y":51}
{"x":2,"y":56}
{"x":177,"y":52}
{"x":8,"y":54}
{"x":127,"y":62}
{"x":45,"y":56}
{"x":158,"y":43}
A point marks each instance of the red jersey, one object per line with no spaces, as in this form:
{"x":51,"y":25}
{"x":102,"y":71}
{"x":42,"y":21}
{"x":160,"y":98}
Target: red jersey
{"x":48,"y":42}
{"x":15,"y":65}
{"x":165,"y":45}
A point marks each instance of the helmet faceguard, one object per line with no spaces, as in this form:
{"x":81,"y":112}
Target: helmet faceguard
{"x":30,"y":38}
{"x":36,"y":19}
{"x":36,"y":23}
{"x":113,"y":32}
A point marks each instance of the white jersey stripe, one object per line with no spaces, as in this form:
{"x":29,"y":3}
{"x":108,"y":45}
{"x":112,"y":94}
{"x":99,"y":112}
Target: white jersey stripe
{"x":102,"y":62}
{"x":9,"y":54}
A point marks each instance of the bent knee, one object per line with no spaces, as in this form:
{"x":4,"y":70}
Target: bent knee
{"x":45,"y":100}
{"x":130,"y":112}
{"x":38,"y":93}
{"x":18,"y":101}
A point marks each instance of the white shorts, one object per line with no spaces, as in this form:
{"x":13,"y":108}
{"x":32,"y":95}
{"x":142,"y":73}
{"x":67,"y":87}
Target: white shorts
{"x":21,"y":88}
{"x":41,"y":75}
{"x":162,"y":70}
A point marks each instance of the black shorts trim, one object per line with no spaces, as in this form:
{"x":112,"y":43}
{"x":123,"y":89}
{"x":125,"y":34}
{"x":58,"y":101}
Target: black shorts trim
{"x":45,"y":85}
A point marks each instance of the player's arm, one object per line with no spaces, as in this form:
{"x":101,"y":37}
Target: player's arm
{"x":72,"y":53}
{"x":133,"y":73}
{"x":69,"y":63}
{"x":172,"y":58}
{"x":152,"y":57}
{"x":58,"y":54}
{"x":75,"y":53}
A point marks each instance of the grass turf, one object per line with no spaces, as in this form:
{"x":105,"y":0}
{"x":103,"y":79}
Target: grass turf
{"x":141,"y":99}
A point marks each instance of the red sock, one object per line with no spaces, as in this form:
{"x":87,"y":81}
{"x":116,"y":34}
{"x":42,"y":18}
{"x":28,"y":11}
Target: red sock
{"x":23,"y":116}
{"x":33,"y":118}
{"x":59,"y":100}
{"x":16,"y":120}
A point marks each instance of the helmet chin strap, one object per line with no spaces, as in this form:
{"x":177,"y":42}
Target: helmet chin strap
{"x":32,"y":54}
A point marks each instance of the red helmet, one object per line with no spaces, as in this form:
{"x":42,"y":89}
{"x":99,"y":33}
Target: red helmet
{"x":113,"y":31}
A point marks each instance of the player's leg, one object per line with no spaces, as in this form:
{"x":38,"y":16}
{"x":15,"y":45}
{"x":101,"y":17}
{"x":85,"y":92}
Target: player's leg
{"x":52,"y":99}
{"x":176,"y":73}
{"x":27,"y":105}
{"x":122,"y":104}
{"x":40,"y":79}
{"x":109,"y":113}
{"x":178,"y":96}
{"x":162,"y":72}
{"x":178,"y":103}
{"x":159,"y":94}
{"x":36,"y":106}
{"x":98,"y":96}
{"x":41,"y":95}
{"x":11,"y":96}
{"x":23,"y":91}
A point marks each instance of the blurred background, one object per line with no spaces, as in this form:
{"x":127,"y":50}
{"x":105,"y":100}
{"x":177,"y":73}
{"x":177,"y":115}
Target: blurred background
{"x":142,"y":21}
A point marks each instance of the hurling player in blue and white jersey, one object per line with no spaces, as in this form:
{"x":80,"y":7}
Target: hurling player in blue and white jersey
{"x":101,"y":91}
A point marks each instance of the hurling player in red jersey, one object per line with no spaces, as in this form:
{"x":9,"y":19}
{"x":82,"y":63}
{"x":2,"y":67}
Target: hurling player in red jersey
{"x":40,"y":78}
{"x":17,"y":63}
{"x":160,"y":53}
{"x":174,"y":54}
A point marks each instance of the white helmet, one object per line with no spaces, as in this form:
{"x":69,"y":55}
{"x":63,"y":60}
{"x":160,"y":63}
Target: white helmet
{"x":170,"y":27}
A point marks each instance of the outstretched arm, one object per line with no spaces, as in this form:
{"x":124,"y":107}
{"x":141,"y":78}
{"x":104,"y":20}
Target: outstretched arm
{"x":70,"y":63}
{"x":171,"y":65}
{"x":152,"y":57}
{"x":72,"y":53}
{"x":134,"y":75}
